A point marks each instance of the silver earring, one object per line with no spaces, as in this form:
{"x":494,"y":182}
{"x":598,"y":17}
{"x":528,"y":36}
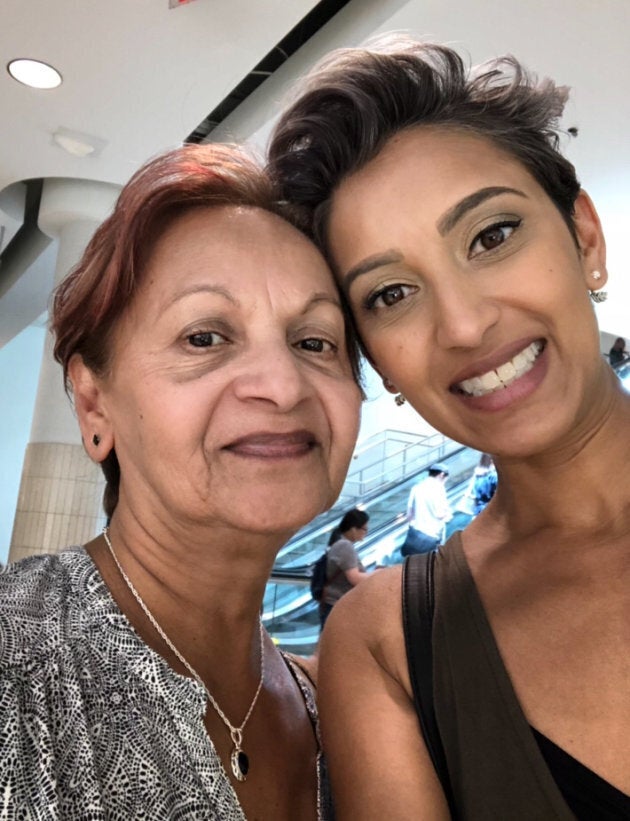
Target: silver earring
{"x":596,"y":275}
{"x":399,"y":399}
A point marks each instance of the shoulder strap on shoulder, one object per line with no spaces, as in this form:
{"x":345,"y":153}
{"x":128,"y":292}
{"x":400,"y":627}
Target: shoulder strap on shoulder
{"x":418,"y":601}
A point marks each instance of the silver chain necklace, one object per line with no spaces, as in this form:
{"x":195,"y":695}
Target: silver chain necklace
{"x":238,"y":758}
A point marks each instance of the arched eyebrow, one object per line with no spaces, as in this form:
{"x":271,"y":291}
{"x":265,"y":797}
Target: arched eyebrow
{"x":369,"y":264}
{"x":449,"y":220}
{"x":445,"y":224}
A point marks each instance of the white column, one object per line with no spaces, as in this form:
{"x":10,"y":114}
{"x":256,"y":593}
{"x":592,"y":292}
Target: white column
{"x":59,"y":503}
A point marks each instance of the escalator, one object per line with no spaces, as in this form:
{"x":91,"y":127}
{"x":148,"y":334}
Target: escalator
{"x":380,"y":480}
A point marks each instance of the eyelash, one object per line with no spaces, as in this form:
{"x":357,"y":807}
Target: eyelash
{"x":205,"y":336}
{"x":371,"y":300}
{"x":513,"y":224}
{"x":328,"y":346}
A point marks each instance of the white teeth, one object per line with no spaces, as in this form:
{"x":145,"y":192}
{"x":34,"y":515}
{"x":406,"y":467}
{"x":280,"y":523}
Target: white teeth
{"x":520,"y":361}
{"x":505,"y":374}
{"x":489,"y":381}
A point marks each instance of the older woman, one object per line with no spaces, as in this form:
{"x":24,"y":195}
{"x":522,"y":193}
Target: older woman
{"x":204,"y":343}
{"x":469,"y":256}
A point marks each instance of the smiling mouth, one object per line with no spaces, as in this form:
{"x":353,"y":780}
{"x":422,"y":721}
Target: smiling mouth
{"x":503,"y":376}
{"x":274,"y":446}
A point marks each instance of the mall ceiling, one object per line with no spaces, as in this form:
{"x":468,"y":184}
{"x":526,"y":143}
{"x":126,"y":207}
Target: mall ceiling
{"x":139,"y":77}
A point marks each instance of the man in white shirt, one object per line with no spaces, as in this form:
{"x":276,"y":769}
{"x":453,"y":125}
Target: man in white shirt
{"x":428,"y":511}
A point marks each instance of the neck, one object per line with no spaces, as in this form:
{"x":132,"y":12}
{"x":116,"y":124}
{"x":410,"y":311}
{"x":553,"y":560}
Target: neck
{"x":194,"y":568}
{"x":206,"y":598}
{"x":581,"y":486}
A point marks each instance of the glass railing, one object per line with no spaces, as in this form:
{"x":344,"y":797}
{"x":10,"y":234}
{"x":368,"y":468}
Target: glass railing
{"x":381,"y":465}
{"x":289,"y":613}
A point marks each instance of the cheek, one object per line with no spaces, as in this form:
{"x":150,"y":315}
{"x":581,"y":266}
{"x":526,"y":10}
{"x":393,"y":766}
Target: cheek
{"x":398,"y":352}
{"x":159,"y":419}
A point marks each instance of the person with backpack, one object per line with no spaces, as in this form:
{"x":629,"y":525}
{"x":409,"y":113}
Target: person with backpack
{"x":343,"y":566}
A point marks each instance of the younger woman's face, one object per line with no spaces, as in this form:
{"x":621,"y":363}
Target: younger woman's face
{"x":469,"y":291}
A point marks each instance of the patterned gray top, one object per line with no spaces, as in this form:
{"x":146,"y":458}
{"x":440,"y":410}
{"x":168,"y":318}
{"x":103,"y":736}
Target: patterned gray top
{"x":93,"y":723}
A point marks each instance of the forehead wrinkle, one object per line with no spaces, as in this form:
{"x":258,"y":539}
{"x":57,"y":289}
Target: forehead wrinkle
{"x":201,"y":288}
{"x":322,"y":297}
{"x":205,"y":287}
{"x":310,"y":301}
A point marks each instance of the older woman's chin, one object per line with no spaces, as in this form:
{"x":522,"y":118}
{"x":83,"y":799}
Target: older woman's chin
{"x":288,"y":513}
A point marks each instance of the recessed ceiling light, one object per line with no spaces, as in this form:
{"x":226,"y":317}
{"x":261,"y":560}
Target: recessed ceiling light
{"x":77,"y":143}
{"x":77,"y":148}
{"x":34,"y":73}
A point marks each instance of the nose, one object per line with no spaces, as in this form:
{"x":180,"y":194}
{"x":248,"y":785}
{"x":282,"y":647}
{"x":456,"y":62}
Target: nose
{"x":463,"y":313}
{"x":272,"y":373}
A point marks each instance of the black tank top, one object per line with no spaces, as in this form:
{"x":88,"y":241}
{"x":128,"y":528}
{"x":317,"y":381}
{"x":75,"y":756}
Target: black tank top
{"x":590,"y":796}
{"x":499,"y":768}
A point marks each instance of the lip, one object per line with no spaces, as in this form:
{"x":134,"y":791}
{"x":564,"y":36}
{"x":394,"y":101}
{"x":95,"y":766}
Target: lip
{"x":272,"y":445}
{"x":494,"y":360}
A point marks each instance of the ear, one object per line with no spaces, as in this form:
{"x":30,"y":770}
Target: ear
{"x":591,"y":241}
{"x":87,"y":393}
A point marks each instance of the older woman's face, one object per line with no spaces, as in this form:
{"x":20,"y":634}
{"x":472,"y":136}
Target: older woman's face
{"x":230,"y":395}
{"x":469,"y":291}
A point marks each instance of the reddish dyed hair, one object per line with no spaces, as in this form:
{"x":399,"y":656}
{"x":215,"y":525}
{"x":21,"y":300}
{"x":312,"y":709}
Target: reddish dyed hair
{"x":90,"y":301}
{"x":92,"y":298}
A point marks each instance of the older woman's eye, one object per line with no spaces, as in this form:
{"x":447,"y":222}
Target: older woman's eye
{"x":388,"y":296}
{"x":206,"y":339}
{"x":493,"y":236}
{"x":316,"y":345}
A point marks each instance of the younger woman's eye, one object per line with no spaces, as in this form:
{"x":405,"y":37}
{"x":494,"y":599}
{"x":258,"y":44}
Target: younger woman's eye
{"x":493,"y":236}
{"x":316,"y":345}
{"x":388,"y":296}
{"x":206,"y":339}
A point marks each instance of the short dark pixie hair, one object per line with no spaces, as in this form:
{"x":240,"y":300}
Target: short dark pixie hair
{"x":356,"y":99}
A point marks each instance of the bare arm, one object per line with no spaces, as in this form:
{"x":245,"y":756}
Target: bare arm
{"x":354,"y":575}
{"x":379,"y":765}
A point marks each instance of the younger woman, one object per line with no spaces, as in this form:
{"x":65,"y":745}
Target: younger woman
{"x":470,"y":257}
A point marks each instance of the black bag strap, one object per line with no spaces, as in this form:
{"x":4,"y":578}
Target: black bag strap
{"x":418,"y":602}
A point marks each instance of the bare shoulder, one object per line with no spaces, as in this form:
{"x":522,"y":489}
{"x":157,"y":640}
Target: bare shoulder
{"x":367,"y":710}
{"x":371,"y":606}
{"x":369,"y":619}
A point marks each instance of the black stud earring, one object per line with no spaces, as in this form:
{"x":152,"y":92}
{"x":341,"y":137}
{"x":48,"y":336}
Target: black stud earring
{"x":96,"y":440}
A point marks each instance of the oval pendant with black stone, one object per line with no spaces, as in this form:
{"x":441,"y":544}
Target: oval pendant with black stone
{"x":240,"y":764}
